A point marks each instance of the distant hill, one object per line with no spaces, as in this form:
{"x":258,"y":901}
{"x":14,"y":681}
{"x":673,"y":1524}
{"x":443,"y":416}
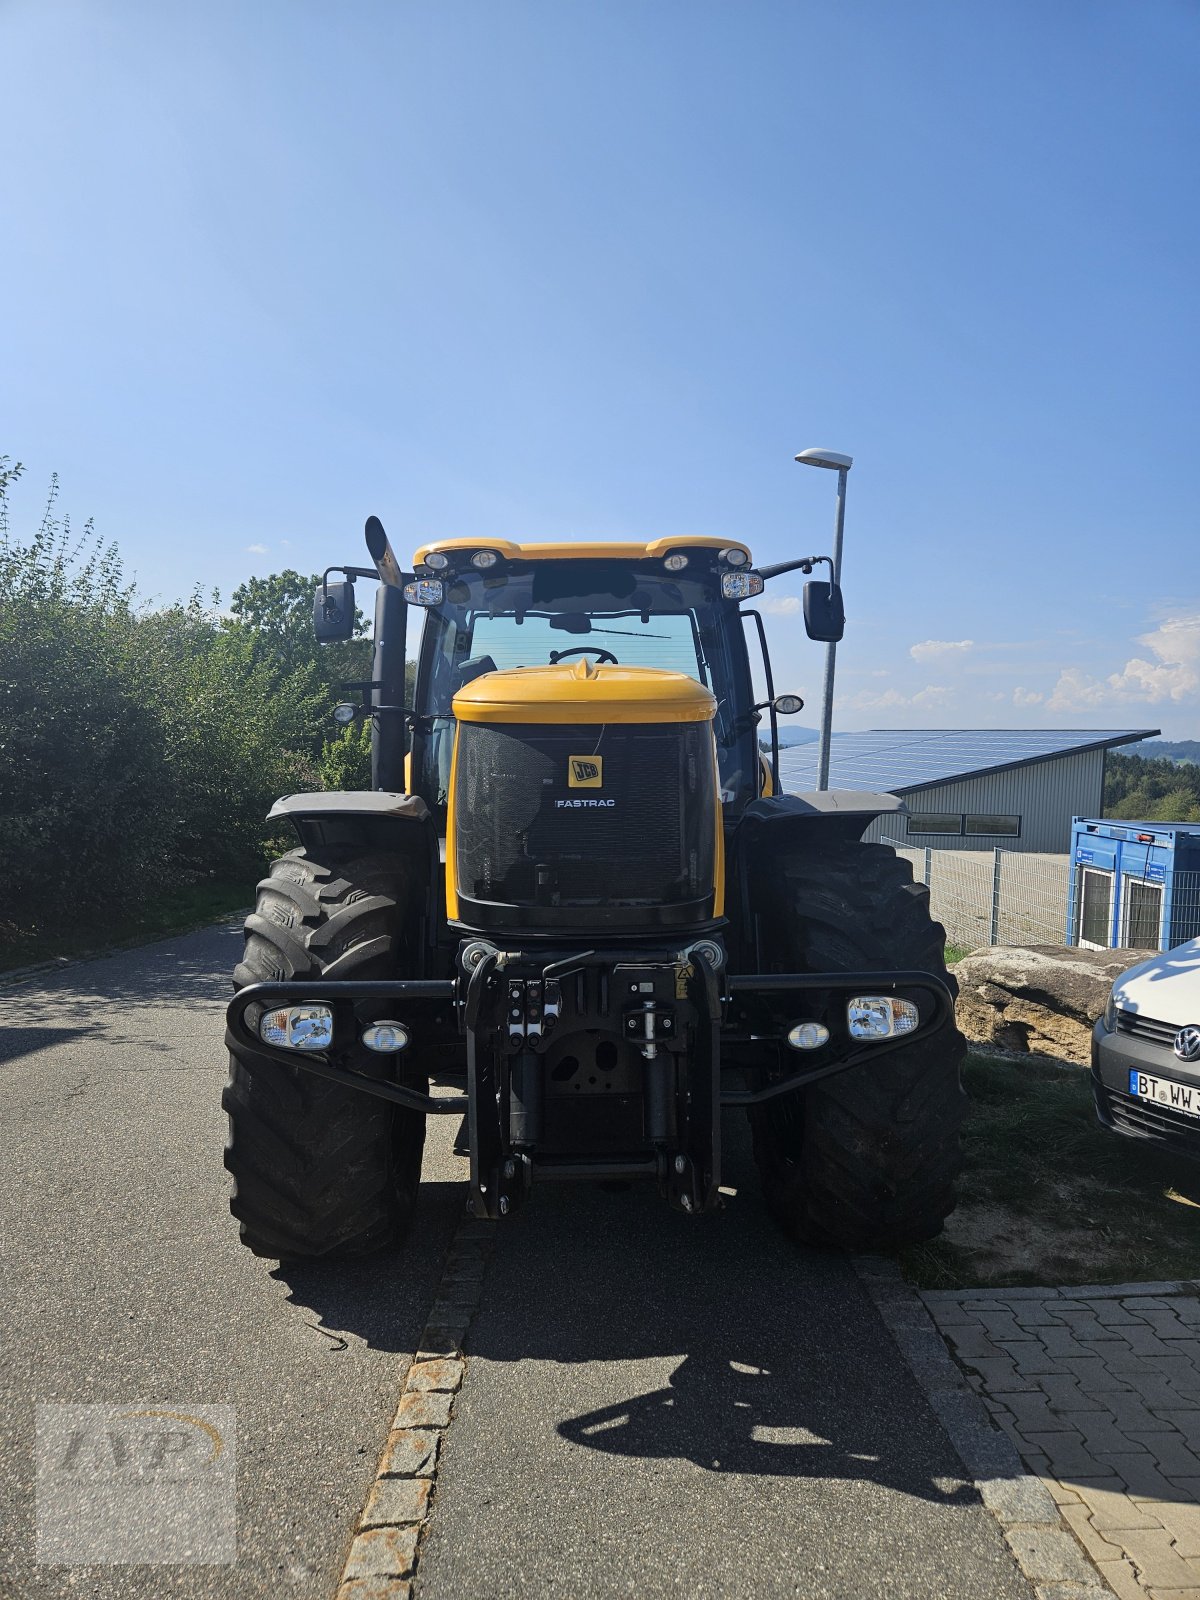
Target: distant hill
{"x":1167,"y":750}
{"x":789,"y":737}
{"x":1137,"y":789}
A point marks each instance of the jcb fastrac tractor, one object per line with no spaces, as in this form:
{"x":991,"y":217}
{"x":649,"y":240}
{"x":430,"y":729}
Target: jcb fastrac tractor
{"x":575,"y":898}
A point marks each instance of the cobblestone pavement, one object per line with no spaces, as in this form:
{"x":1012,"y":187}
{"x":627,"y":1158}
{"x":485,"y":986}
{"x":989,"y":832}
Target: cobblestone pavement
{"x":1099,"y":1389}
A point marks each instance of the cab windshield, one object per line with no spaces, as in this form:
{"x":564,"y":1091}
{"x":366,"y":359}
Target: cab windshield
{"x":600,"y":611}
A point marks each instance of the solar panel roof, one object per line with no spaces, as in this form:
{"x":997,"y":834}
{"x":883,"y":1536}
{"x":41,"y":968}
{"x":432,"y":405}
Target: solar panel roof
{"x":899,"y":760}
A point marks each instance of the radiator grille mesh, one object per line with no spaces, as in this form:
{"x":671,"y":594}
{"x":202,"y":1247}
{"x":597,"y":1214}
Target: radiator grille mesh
{"x":525,"y":837}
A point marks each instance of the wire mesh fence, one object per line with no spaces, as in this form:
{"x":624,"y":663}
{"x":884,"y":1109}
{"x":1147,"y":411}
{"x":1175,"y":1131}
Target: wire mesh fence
{"x":985,"y":897}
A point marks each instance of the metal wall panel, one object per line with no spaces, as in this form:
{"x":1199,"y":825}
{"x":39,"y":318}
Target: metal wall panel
{"x":1045,"y":795}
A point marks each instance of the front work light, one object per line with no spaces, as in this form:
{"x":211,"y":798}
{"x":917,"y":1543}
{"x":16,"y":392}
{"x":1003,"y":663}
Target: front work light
{"x":437,"y":560}
{"x":733,"y":557}
{"x":880,"y":1016}
{"x":425,"y":592}
{"x":808,"y":1036}
{"x":675,"y":563}
{"x":298,"y":1027}
{"x":740,"y":585}
{"x":483,"y":559}
{"x":385,"y":1037}
{"x":344,"y":714}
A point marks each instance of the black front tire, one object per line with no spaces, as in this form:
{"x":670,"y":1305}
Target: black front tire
{"x":320,"y":1170}
{"x":866,"y":1159}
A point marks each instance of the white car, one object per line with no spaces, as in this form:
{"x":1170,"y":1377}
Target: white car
{"x":1146,"y":1051}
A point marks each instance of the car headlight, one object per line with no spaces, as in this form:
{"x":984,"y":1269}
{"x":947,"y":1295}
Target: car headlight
{"x":1108,"y":1017}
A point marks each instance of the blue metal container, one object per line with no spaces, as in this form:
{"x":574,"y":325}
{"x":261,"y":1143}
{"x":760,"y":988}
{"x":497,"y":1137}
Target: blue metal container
{"x":1134,"y":885}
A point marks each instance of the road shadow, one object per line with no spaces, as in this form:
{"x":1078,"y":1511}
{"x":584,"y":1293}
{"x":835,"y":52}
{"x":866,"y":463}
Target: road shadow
{"x":373,"y":1296}
{"x":777,"y":1363}
{"x":185,"y":970}
{"x":16,"y":1042}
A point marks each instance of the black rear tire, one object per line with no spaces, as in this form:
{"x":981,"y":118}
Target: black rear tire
{"x":867,"y":1159}
{"x":319,"y":1170}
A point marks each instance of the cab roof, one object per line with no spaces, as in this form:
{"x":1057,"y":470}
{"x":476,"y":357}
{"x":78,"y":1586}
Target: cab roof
{"x":577,"y":550}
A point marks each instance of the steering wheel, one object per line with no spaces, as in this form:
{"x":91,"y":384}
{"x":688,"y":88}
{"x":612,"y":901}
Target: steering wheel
{"x":583,"y":650}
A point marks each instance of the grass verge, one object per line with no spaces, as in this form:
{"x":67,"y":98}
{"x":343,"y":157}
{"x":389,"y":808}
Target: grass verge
{"x":188,"y":907}
{"x":1048,"y":1196}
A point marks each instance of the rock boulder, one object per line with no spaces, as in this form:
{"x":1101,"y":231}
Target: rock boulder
{"x":1041,"y":1000}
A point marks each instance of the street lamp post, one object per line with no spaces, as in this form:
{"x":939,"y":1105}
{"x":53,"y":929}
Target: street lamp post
{"x":841,"y":465}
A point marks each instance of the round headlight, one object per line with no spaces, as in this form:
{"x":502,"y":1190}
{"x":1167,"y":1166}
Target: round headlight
{"x":437,"y":561}
{"x":675,"y":563}
{"x":385,"y":1037}
{"x":808,"y":1036}
{"x":344,"y":714}
{"x":483,"y":559}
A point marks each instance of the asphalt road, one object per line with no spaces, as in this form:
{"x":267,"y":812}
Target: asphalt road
{"x":653,"y":1406}
{"x":662,"y":1406}
{"x":122,"y":1279}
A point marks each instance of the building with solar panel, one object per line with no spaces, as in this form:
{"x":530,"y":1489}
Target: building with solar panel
{"x":970,"y":788}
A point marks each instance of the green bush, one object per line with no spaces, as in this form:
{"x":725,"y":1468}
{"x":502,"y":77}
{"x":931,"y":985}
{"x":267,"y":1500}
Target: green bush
{"x":141,"y":748}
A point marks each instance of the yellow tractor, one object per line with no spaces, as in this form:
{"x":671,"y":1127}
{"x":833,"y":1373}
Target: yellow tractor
{"x":575,"y":899}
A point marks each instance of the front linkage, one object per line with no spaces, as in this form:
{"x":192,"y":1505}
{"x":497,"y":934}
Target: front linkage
{"x":676,"y":1008}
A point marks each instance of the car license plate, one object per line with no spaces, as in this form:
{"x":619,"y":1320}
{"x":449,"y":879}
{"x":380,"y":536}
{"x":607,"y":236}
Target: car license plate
{"x":1183,"y":1097}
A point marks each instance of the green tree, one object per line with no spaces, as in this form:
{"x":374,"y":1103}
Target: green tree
{"x":1137,"y":789}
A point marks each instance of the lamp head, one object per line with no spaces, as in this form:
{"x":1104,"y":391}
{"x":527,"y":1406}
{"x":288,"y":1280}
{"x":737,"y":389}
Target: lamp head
{"x":825,"y":458}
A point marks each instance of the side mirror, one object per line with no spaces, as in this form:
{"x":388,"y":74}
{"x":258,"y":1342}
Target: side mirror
{"x":824,"y":613}
{"x":333,"y":612}
{"x":787,"y":705}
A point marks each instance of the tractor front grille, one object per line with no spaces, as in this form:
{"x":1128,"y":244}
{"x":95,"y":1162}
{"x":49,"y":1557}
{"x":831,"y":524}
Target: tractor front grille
{"x":585,"y":817}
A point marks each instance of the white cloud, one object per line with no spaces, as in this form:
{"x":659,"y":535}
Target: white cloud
{"x":1174,"y":676}
{"x":1177,"y":639}
{"x":781,"y":605}
{"x":1027,"y":697}
{"x":256,"y":549}
{"x":934,"y":694}
{"x":936,"y":649}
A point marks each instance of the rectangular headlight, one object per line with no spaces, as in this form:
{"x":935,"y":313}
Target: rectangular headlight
{"x":740,"y":585}
{"x":880,"y":1016}
{"x":298,"y":1027}
{"x":425,"y":592}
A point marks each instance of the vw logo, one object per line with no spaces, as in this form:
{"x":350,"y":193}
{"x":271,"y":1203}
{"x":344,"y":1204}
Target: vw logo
{"x":1187,"y":1043}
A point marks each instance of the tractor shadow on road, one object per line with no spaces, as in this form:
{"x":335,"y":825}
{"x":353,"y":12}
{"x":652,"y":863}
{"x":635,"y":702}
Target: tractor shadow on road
{"x":614,"y":1325}
{"x":778,"y":1363}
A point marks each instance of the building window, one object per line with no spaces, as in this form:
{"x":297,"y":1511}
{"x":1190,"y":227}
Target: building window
{"x":935,"y":822}
{"x":992,"y":824}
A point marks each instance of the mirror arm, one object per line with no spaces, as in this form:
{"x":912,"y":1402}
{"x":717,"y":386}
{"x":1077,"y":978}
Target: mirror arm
{"x":801,"y":564}
{"x":348,"y":572}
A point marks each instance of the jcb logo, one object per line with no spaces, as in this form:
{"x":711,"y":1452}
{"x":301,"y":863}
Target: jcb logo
{"x":587,"y":772}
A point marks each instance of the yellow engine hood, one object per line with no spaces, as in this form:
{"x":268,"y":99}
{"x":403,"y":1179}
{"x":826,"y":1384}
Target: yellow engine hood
{"x":581,"y":691}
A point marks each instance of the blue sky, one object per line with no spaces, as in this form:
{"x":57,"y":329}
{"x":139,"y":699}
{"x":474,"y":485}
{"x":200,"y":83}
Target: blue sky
{"x":592,"y":269}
